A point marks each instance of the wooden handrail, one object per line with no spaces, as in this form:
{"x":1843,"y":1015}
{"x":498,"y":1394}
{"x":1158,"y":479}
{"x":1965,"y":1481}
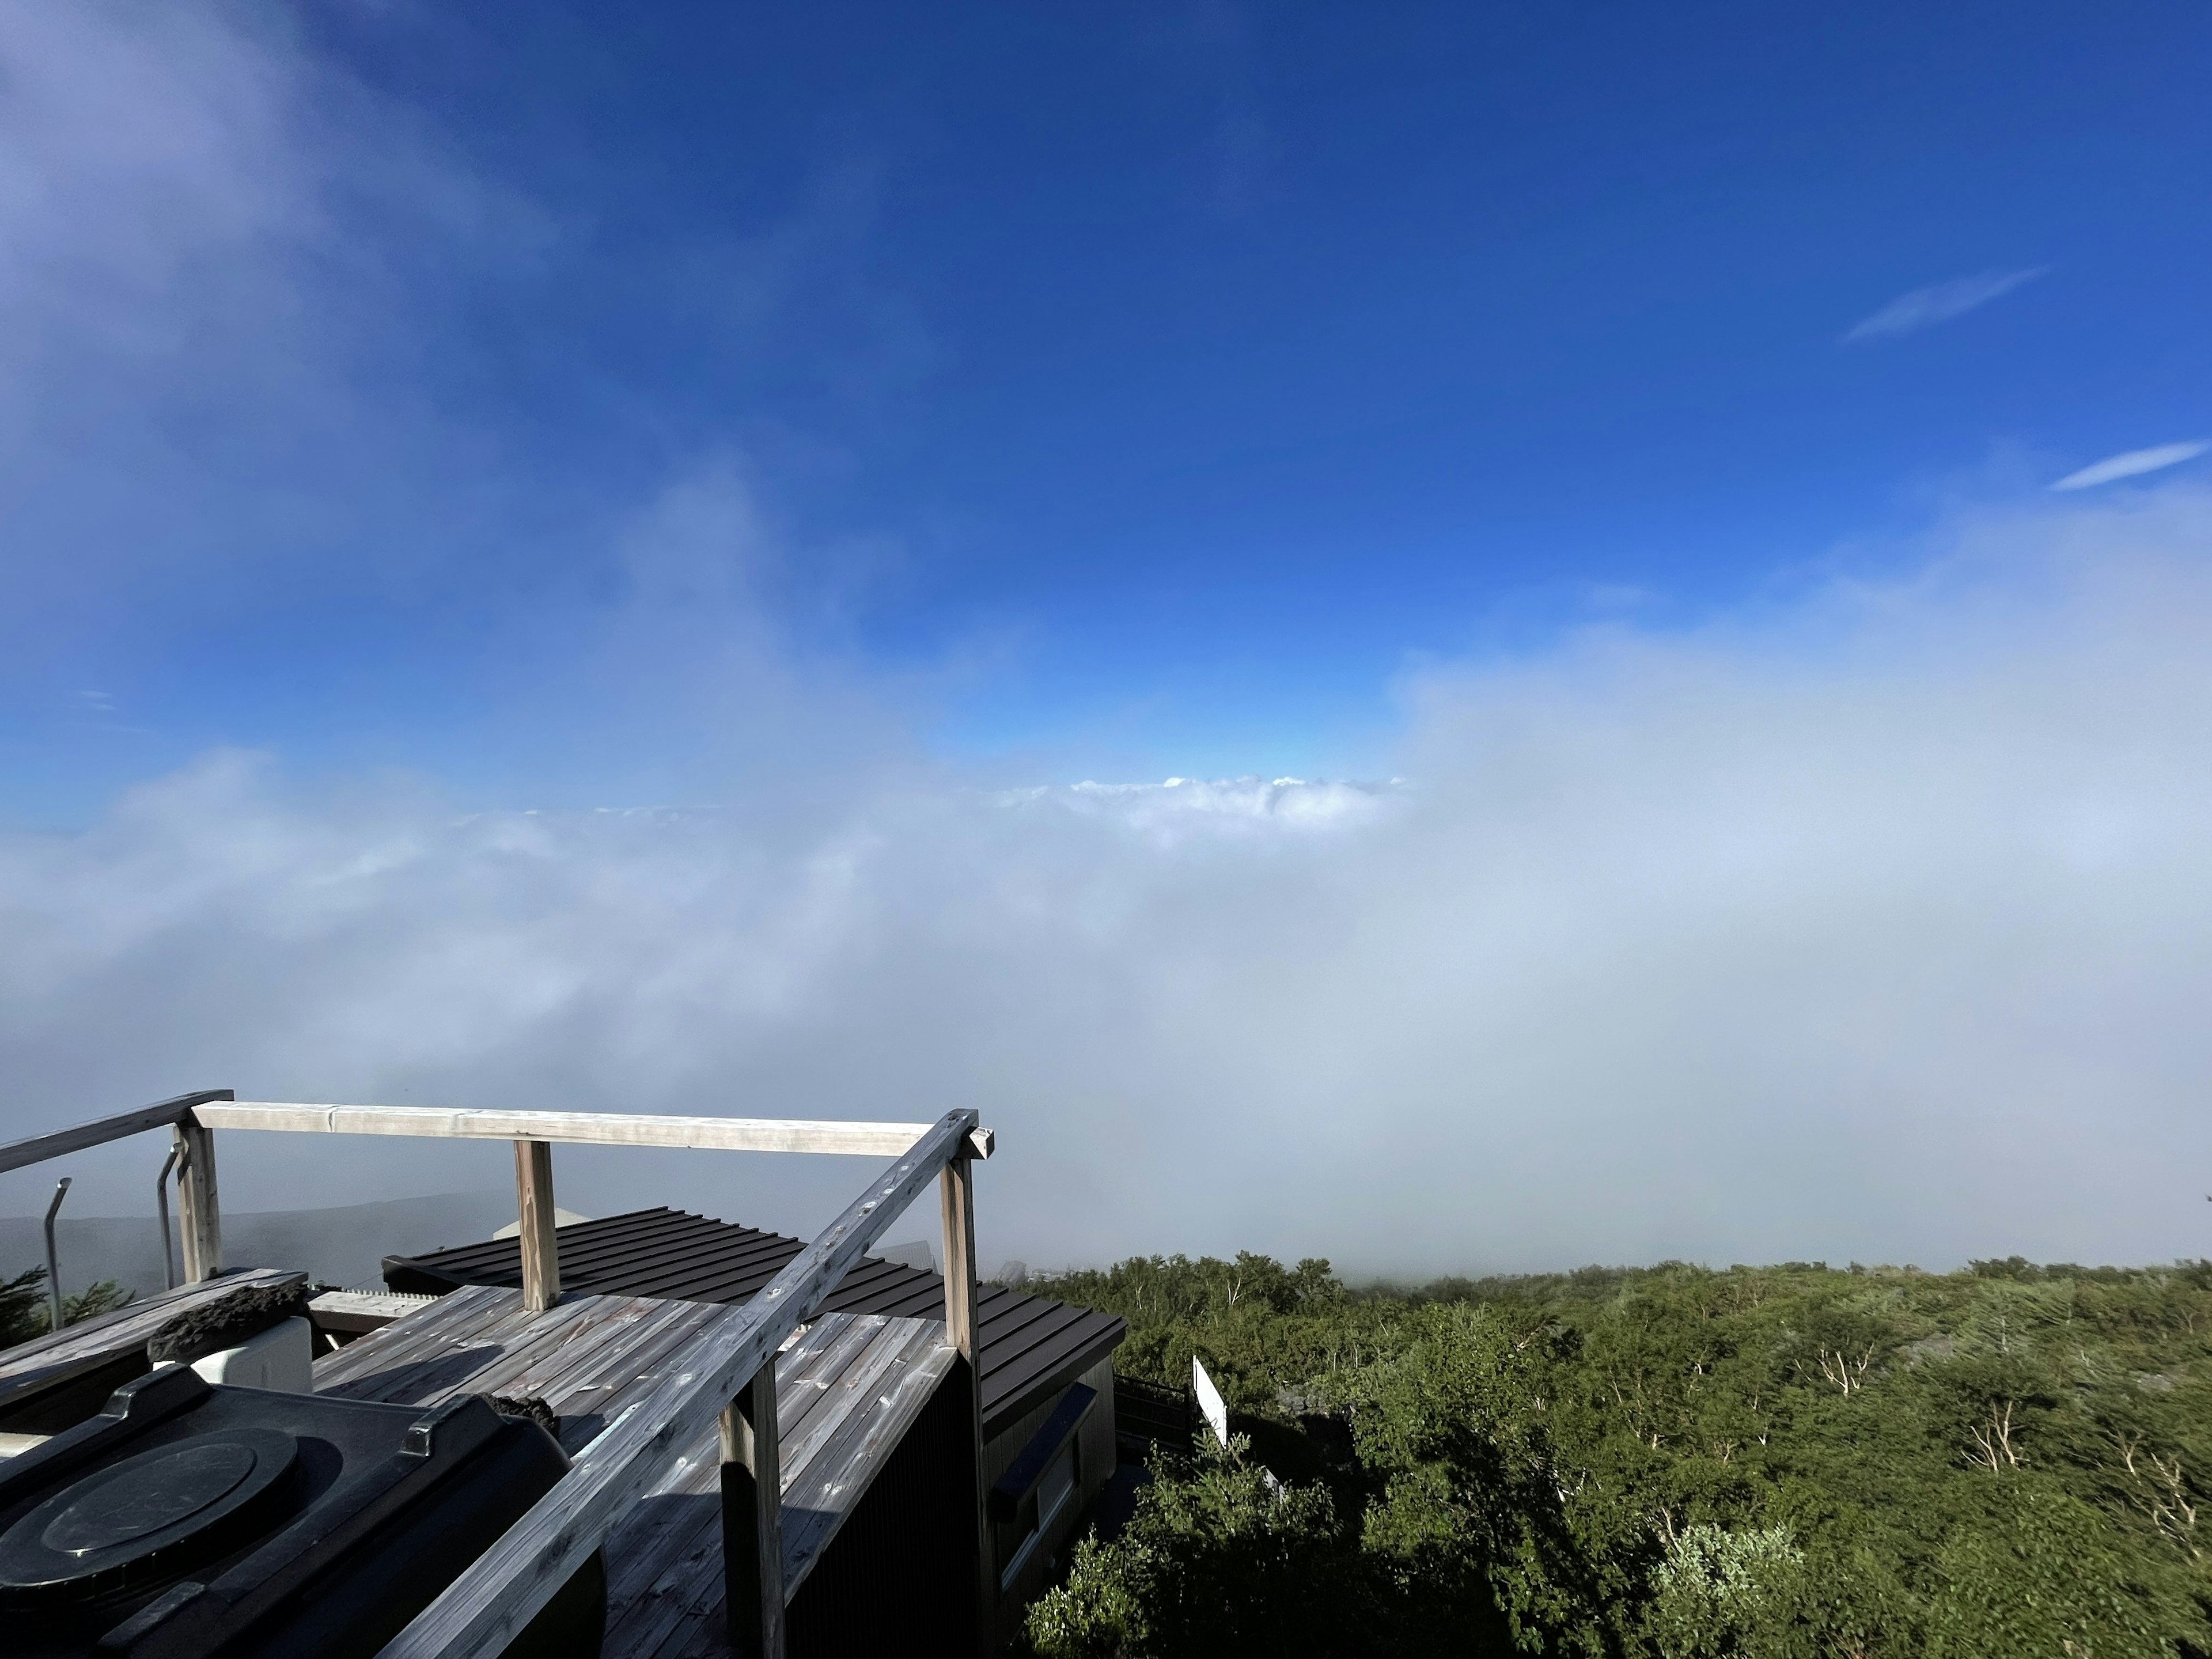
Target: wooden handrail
{"x":484,"y":1609}
{"x":61,"y":1142}
{"x":730,"y":1134}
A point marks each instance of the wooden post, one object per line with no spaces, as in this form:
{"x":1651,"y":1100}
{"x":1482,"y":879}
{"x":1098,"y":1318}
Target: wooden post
{"x":200,"y":1215}
{"x":957,"y":1189}
{"x":752,"y":1520}
{"x":533,"y":1199}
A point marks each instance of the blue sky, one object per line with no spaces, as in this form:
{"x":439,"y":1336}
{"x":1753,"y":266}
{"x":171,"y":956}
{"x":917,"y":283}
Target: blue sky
{"x":1145,"y":389}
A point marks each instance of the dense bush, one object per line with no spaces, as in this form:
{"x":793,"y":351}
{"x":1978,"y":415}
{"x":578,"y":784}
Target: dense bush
{"x":1218,"y":1561}
{"x":1671,"y":1462}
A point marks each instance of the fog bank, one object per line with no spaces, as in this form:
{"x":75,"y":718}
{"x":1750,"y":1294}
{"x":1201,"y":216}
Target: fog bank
{"x":1873,"y":924}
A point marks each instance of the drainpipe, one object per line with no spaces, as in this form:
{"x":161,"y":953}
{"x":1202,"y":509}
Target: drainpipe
{"x":53,"y":1268}
{"x":162,"y":1204}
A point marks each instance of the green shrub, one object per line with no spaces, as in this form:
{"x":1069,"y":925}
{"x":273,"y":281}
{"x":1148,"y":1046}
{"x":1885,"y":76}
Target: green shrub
{"x":1220,"y":1560}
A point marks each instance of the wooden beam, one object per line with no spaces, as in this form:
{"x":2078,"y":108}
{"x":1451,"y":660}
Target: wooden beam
{"x":752,"y":1520}
{"x":199,"y":1212}
{"x":483,"y":1610}
{"x":733,"y":1135}
{"x":534,"y":1215}
{"x":955,"y":1185}
{"x":39,"y":1148}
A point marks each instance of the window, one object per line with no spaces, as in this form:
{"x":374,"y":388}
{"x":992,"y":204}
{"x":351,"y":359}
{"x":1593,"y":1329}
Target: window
{"x":1017,"y":1539}
{"x":1057,"y":1487}
{"x":1039,"y":1507}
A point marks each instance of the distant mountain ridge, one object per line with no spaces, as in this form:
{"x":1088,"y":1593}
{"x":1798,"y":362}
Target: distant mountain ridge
{"x":344,"y":1244}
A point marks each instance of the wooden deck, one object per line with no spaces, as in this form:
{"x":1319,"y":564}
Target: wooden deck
{"x":849,"y":1386}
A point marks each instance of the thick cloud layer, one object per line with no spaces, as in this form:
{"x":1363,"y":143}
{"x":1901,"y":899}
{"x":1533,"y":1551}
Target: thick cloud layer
{"x":1876,"y":925}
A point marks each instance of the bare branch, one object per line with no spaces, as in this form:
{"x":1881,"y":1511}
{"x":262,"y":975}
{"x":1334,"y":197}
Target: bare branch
{"x":1993,"y":1448}
{"x":1846,"y":1373}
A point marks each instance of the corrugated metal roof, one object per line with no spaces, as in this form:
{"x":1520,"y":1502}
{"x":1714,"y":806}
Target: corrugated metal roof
{"x":1031,"y":1345}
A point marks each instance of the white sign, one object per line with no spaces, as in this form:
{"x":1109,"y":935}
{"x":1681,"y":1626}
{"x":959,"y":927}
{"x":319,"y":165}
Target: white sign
{"x":1210,"y":1400}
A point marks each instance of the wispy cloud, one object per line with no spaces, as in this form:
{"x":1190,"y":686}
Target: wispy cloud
{"x":1924,"y":307}
{"x":2132,"y":464}
{"x":204,"y":235}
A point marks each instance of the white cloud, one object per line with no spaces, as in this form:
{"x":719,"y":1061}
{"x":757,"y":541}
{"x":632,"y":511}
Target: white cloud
{"x":2132,"y":464}
{"x":1180,"y":808}
{"x":1924,"y":307}
{"x":1875,"y":927}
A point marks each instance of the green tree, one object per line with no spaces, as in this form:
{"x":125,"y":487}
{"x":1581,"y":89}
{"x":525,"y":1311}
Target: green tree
{"x":1719,"y":1594}
{"x":22,"y":1307}
{"x":1784,"y":1462}
{"x":1219,"y":1560}
{"x":24,"y":1314}
{"x":1473,"y":1525}
{"x":2044,"y":1573}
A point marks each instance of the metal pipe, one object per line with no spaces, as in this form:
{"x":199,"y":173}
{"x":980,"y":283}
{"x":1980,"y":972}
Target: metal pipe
{"x":53,"y":1267}
{"x":161,"y":1203}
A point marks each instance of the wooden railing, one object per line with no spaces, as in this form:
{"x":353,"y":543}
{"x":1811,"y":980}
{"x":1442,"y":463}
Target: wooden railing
{"x":728,"y":1379}
{"x":199,"y":1219}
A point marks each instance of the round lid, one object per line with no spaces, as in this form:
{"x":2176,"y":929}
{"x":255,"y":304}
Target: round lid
{"x":170,"y":1503}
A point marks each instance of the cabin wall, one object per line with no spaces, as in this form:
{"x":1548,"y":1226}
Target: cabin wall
{"x":1095,"y":1463}
{"x":1099,"y":1453}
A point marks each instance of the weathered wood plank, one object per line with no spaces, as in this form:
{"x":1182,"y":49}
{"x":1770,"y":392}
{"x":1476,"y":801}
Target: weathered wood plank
{"x":609,"y":1356}
{"x":474,"y":1309}
{"x":859,"y":1395}
{"x":535,"y":1340}
{"x":731,"y":1134}
{"x":827,"y":1504}
{"x":812,"y":1391}
{"x":835,"y":1397}
{"x":490,"y":1603}
{"x":655,"y":1347}
{"x":364,"y":1310}
{"x":39,"y":1148}
{"x":621,"y":1360}
{"x":664,"y":1571}
{"x":509,"y":1349}
{"x":353,"y":1370}
{"x":199,"y":1212}
{"x":838,"y":1475}
{"x":534,"y":1214}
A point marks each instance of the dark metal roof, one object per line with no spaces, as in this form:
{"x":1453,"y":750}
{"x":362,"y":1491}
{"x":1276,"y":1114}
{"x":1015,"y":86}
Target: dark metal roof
{"x":1031,"y":1347}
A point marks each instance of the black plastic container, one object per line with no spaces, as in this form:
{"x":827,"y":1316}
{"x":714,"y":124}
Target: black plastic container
{"x":194,"y":1522}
